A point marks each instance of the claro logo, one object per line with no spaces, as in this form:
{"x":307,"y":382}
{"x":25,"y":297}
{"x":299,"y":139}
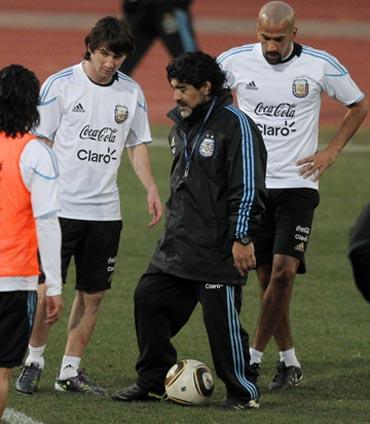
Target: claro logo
{"x":271,"y":130}
{"x":90,"y":156}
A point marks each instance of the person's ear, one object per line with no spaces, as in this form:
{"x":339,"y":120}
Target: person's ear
{"x":207,"y":88}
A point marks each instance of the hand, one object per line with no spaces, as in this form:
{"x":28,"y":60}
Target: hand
{"x":54,"y":307}
{"x":244,"y":259}
{"x":154,"y":207}
{"x":315,"y":165}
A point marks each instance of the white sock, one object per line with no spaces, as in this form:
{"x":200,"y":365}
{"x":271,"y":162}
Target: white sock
{"x":70,"y":365}
{"x":289,"y":358}
{"x":256,"y":356}
{"x":36,"y":355}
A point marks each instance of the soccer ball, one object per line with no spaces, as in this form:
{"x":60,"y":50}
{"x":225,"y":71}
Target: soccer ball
{"x":189,"y":382}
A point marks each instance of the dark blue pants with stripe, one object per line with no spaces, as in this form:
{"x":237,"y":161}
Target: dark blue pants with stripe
{"x":163,"y":305}
{"x":171,"y":24}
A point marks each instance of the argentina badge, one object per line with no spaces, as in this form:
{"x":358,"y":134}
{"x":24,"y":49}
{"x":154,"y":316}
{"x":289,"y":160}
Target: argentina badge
{"x":120,"y":113}
{"x":300,"y":87}
{"x":207,"y":146}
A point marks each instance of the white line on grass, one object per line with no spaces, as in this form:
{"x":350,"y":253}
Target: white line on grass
{"x":224,"y":25}
{"x":350,"y":148}
{"x":11,"y":416}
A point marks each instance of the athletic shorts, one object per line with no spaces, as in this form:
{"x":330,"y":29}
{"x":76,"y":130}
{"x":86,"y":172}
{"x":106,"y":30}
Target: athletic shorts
{"x":94,"y":246}
{"x":17,"y":311}
{"x":286,"y":224}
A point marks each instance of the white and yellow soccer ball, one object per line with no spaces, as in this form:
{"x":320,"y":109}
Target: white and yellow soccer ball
{"x":189,"y":382}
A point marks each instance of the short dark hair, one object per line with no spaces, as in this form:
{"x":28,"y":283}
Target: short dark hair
{"x":112,"y":32}
{"x":196,"y":68}
{"x":19,"y":95}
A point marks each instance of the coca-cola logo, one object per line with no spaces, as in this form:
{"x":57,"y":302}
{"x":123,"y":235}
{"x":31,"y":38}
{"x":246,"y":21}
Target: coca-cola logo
{"x":105,"y":135}
{"x":283,"y":110}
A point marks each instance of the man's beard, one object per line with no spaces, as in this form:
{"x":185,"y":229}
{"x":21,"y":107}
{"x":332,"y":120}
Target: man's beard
{"x":185,"y":111}
{"x":273,"y":58}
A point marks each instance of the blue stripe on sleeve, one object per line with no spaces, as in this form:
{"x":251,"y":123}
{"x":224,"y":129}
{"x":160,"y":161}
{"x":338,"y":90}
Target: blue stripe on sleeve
{"x":320,"y":54}
{"x":123,"y":76}
{"x":53,"y":161}
{"x":45,"y":91}
{"x":235,"y":51}
{"x":248,"y":174}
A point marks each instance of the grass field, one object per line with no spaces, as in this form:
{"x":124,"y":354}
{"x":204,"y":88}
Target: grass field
{"x":331,"y":323}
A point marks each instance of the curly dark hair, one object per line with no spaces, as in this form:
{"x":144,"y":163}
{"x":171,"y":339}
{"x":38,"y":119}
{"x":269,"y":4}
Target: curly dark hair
{"x":113,"y":33}
{"x":19,"y":95}
{"x":196,"y":68}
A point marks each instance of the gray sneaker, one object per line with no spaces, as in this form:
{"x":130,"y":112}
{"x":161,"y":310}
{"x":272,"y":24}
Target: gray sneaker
{"x":286,"y":377}
{"x":28,"y":379}
{"x":79,"y":384}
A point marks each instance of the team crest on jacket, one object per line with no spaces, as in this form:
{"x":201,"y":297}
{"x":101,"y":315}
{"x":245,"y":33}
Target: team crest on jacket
{"x":300,"y":87}
{"x":207,"y":146}
{"x":120,"y":113}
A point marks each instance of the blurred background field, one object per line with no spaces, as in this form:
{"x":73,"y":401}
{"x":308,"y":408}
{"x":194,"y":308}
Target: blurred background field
{"x":331,"y":319}
{"x":48,"y":36}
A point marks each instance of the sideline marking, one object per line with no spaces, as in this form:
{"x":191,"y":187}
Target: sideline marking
{"x":347,"y":29}
{"x":11,"y":416}
{"x":350,"y":148}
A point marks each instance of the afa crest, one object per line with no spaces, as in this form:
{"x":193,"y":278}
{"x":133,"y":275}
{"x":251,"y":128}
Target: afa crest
{"x":300,"y":87}
{"x":120,"y":113}
{"x":207,"y":146}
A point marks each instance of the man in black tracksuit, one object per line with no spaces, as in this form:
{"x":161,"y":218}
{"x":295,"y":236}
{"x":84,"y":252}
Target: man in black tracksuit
{"x":168,"y":20}
{"x":217,"y":196}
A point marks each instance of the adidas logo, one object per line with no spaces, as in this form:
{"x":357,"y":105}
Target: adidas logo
{"x":251,"y":86}
{"x":299,"y":247}
{"x":78,"y":108}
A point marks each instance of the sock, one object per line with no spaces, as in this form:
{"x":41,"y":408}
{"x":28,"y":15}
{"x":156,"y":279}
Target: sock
{"x":36,"y":355}
{"x":70,"y":365}
{"x":256,"y":356}
{"x":289,"y":358}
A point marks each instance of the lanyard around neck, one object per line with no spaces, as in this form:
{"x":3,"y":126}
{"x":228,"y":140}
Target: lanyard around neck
{"x":188,"y":156}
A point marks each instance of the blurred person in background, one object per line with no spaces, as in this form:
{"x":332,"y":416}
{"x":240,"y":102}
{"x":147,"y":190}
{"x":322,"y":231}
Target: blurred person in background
{"x":279,"y":84}
{"x":28,"y":220}
{"x":168,"y":20}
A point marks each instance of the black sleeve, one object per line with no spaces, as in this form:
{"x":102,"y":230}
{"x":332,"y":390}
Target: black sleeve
{"x":246,"y":172}
{"x":359,"y":252}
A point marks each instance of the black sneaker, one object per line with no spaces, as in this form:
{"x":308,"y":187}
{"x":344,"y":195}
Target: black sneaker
{"x":232,"y":403}
{"x":135,"y":393}
{"x":286,"y":377}
{"x":79,"y":384}
{"x":28,"y":379}
{"x":257,"y":368}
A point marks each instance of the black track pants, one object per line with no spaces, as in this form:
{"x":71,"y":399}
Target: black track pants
{"x":163,"y":305}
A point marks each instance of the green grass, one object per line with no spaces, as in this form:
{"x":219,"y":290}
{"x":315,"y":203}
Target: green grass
{"x":331,"y":323}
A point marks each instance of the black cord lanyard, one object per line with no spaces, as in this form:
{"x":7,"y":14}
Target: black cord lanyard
{"x":188,"y":157}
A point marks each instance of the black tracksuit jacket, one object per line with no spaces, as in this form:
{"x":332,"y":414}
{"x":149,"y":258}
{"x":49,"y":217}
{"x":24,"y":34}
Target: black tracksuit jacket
{"x":222,"y":198}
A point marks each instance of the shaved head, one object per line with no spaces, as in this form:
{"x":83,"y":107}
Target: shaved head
{"x":276,"y":31}
{"x":276,"y":14}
